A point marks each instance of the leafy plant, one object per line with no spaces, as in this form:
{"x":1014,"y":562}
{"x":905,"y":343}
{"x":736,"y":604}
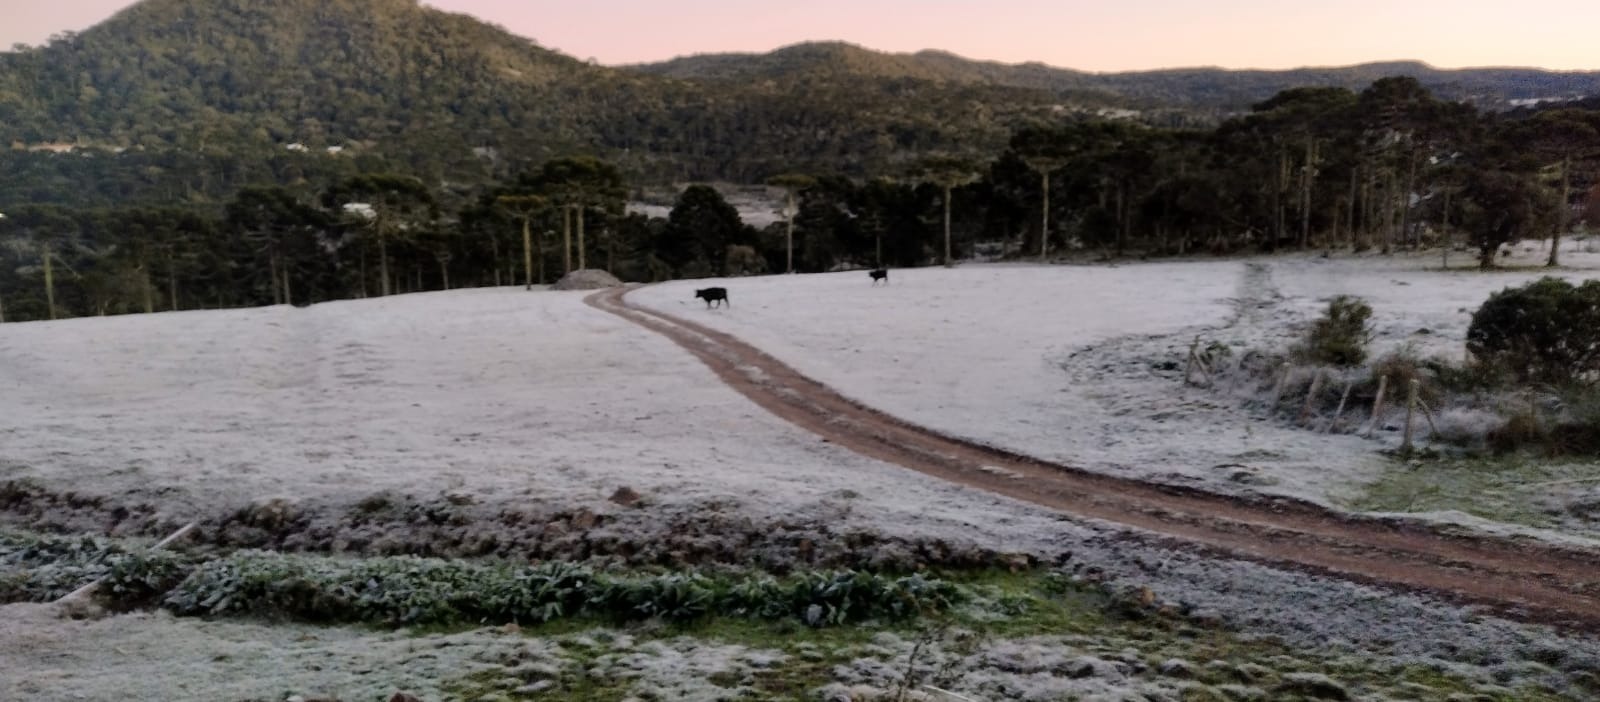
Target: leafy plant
{"x":1546,"y":331}
{"x":1340,"y":336}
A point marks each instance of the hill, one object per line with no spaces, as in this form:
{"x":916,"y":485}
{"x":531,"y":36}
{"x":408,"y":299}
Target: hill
{"x":188,"y":100}
{"x":1198,"y":88}
{"x":191,"y":98}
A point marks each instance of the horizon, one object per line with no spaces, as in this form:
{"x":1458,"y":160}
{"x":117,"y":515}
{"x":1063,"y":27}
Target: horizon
{"x":1240,"y":35}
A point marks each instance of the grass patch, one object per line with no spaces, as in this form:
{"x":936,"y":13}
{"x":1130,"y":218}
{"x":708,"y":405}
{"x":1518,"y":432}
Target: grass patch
{"x":590,"y":653}
{"x":1505,"y":488}
{"x":1057,"y":611}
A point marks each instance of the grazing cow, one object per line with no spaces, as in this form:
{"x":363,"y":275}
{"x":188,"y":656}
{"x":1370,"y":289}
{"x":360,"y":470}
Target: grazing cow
{"x":879,"y":274}
{"x":718,"y":295}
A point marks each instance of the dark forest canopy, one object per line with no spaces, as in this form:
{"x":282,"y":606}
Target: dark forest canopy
{"x":1387,"y":168}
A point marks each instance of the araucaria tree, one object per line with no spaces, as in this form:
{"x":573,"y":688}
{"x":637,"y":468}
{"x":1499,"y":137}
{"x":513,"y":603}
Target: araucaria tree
{"x":792,"y":184}
{"x":948,"y":173}
{"x":390,"y":206}
{"x":579,"y":184}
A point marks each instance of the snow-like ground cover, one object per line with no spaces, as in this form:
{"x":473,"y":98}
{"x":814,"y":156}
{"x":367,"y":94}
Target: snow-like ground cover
{"x":512,"y":397}
{"x":503,"y":395}
{"x":1083,"y":365}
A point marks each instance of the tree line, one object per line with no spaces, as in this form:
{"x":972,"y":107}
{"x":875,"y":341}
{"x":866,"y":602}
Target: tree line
{"x":1388,"y":168}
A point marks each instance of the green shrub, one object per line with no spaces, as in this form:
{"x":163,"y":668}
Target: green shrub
{"x":1547,"y":331}
{"x":45,"y":568}
{"x":409,"y":591}
{"x":1340,"y":336}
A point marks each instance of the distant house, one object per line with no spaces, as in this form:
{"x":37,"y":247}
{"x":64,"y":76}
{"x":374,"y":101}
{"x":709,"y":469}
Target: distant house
{"x":297,"y":146}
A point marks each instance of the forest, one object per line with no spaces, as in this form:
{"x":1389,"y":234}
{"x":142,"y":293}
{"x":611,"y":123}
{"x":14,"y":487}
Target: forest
{"x":1388,"y":168}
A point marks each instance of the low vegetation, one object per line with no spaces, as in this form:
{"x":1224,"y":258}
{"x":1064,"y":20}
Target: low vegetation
{"x":603,"y":636}
{"x":405,"y":591}
{"x":1340,"y":337}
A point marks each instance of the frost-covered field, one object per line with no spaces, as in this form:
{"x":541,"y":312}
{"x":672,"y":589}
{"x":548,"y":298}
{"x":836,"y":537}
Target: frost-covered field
{"x":502,"y":396}
{"x":1083,"y":365}
{"x":508,"y":398}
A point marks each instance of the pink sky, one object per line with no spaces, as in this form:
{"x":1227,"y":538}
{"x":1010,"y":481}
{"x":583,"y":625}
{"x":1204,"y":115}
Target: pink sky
{"x":1102,"y":36}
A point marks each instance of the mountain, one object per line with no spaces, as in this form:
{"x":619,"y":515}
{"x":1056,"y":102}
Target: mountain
{"x":192,"y":98}
{"x":1200,"y":88}
{"x":188,"y":100}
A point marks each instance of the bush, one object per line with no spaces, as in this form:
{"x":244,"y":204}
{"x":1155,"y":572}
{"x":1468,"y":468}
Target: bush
{"x":1547,"y":331}
{"x":1402,"y":366}
{"x":1340,"y":337}
{"x":409,"y":591}
{"x":1568,"y":426}
{"x":45,"y":568}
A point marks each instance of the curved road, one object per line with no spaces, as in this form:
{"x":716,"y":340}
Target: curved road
{"x":1520,"y":579}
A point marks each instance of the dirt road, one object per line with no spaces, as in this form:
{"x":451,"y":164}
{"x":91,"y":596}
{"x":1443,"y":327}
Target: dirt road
{"x":1516,"y":578}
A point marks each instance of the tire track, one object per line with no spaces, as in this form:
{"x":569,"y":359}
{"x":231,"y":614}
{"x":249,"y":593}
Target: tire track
{"x":1517,"y":578}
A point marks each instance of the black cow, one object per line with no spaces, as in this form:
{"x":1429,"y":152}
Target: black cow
{"x":718,"y":295}
{"x":879,"y":274}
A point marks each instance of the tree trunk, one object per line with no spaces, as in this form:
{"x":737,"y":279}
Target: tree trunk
{"x":527,"y":255}
{"x":566,"y":238}
{"x":363,"y":272}
{"x":2,"y":310}
{"x":1388,"y":213}
{"x":788,"y":236}
{"x":1044,"y":227}
{"x":172,"y":284}
{"x":288,"y":293}
{"x":444,"y":273}
{"x":948,"y":261}
{"x":1308,"y":179}
{"x":1405,"y":205}
{"x":1350,"y":213}
{"x":494,"y":253}
{"x":538,"y":256}
{"x":276,"y":281}
{"x":582,"y":261}
{"x":1562,"y":215}
{"x":383,"y":263}
{"x":1444,"y":228}
{"x":1122,"y":218}
{"x":1280,"y":221}
{"x":610,"y":238}
{"x":148,"y":288}
{"x":49,"y":282}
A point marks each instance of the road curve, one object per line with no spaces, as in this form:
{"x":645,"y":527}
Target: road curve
{"x":1519,"y":579}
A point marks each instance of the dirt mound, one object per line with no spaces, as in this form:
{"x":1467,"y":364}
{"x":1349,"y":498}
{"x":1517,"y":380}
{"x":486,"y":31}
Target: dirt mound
{"x":587,"y":279}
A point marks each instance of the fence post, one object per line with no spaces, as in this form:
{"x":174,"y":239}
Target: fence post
{"x":1311,"y":397}
{"x":1348,"y":386}
{"x":1188,"y":370}
{"x":1411,"y":411}
{"x":1283,"y":381}
{"x":1377,"y":404}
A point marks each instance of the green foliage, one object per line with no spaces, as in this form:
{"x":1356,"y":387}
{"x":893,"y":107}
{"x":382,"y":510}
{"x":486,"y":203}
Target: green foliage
{"x":45,"y":568}
{"x":1340,"y":336}
{"x":1504,"y":206}
{"x":1547,"y":331}
{"x":415,"y":591}
{"x":701,"y":231}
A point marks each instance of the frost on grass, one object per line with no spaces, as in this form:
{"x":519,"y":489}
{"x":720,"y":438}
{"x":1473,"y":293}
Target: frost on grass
{"x":1085,"y":365}
{"x":458,"y":423}
{"x":155,"y":656}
